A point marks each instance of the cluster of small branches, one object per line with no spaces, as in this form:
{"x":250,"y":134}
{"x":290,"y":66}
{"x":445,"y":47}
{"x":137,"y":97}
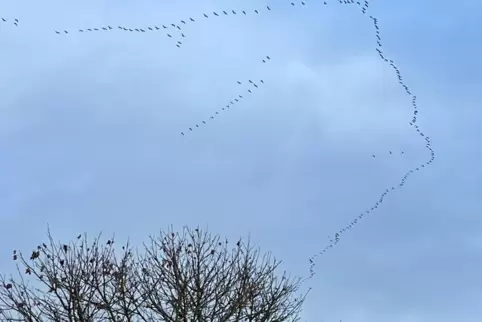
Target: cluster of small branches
{"x":192,"y":276}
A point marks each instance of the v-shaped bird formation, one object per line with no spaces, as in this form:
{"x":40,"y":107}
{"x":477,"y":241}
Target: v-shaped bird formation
{"x":177,"y":33}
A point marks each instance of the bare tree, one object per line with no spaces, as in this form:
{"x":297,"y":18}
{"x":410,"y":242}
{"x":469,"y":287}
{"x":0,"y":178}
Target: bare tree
{"x":186,"y":277}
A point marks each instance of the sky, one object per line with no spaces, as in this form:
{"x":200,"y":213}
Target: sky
{"x":90,"y":139}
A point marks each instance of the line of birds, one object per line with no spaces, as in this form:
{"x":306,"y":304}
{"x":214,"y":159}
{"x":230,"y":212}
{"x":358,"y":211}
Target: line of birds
{"x":173,"y":26}
{"x":428,"y":145}
{"x":123,"y":28}
{"x":237,"y":99}
{"x":389,"y":152}
{"x":4,"y":20}
{"x":177,"y":26}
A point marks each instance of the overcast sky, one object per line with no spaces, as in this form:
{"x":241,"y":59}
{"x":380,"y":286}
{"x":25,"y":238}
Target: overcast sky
{"x":90,"y":139}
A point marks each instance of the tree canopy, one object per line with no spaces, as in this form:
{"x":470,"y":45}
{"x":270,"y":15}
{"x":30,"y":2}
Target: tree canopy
{"x":174,"y":277}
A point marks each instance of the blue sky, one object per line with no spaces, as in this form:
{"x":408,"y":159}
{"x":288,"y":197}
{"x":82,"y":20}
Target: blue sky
{"x":90,"y":140}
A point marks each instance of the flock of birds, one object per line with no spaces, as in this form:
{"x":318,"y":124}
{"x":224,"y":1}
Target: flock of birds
{"x":253,"y":85}
{"x":428,"y":145}
{"x":176,"y":30}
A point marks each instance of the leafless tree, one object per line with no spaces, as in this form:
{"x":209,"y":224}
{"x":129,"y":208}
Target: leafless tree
{"x":187,"y":277}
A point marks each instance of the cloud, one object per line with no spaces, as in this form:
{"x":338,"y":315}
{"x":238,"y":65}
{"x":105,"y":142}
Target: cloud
{"x":90,"y":139}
